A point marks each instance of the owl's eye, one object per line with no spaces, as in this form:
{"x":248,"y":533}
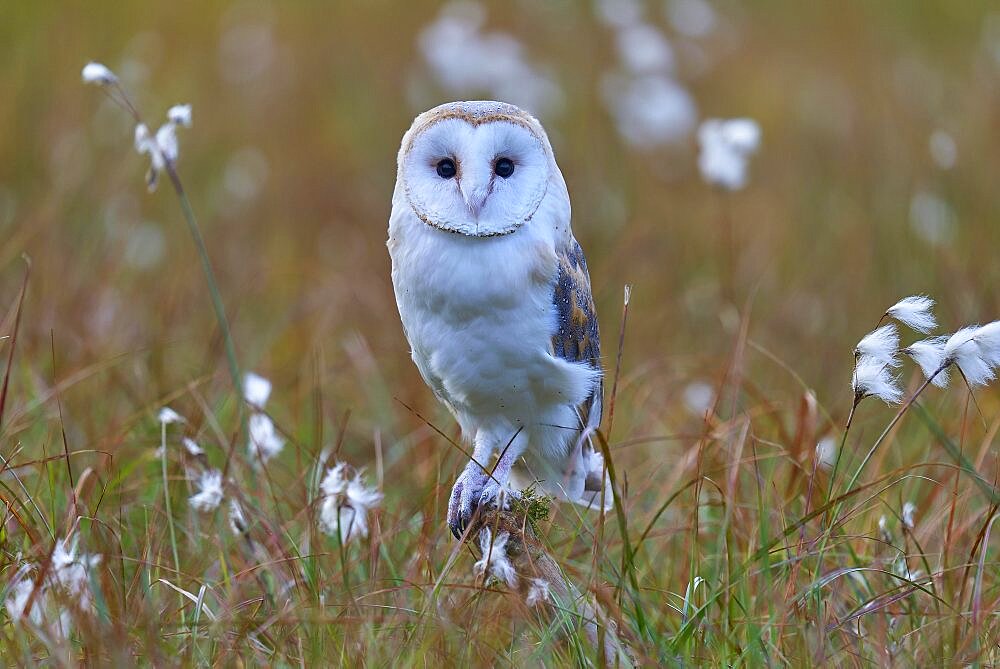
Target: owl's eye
{"x":446,"y":168}
{"x":504,"y":167}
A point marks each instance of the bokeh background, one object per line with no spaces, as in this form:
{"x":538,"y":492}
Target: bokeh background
{"x":876,"y":178}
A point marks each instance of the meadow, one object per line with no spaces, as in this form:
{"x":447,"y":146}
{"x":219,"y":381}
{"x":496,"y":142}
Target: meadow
{"x":750,"y":528}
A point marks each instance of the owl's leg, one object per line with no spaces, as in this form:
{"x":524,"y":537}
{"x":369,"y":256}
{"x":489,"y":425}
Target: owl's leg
{"x":477,"y":486}
{"x":497,"y":491}
{"x":468,"y":487}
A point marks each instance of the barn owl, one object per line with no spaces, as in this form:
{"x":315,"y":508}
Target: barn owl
{"x":494,"y":295}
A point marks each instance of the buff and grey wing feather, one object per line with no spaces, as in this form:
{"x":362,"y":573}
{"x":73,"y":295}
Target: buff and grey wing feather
{"x":577,"y":337}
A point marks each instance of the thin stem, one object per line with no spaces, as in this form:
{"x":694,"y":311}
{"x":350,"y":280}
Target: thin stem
{"x":213,"y":288}
{"x":169,"y":509}
{"x":122,"y":98}
{"x":868,"y":456}
{"x":888,"y":428}
{"x":618,"y":361}
{"x":840,"y":451}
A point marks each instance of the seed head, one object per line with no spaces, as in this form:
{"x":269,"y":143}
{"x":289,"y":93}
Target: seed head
{"x":209,"y":493}
{"x":915,"y":312}
{"x":192,"y":447}
{"x":976,"y":351}
{"x":881,"y":345}
{"x":929,"y":355}
{"x":256,"y":389}
{"x":168,"y":416}
{"x":872,"y":378}
{"x":96,"y":73}
{"x":346,"y":503}
{"x":726,"y":147}
{"x":265,"y":442}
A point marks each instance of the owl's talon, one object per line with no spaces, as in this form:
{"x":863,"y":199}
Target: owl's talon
{"x":465,"y":499}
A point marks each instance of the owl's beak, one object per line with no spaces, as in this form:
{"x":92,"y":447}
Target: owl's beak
{"x":475,"y":195}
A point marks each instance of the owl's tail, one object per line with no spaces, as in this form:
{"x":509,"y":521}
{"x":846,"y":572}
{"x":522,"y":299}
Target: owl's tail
{"x":580,"y":478}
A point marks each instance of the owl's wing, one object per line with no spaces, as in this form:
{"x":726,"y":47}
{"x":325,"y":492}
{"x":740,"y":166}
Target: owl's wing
{"x":577,"y":474}
{"x":576,"y":337}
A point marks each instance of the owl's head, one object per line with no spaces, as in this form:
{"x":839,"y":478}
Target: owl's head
{"x":476,"y":168}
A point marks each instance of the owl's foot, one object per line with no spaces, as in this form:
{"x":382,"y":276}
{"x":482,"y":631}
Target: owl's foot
{"x":474,"y":489}
{"x":496,"y":495}
{"x":465,"y":498}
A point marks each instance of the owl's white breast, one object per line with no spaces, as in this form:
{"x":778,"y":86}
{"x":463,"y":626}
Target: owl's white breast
{"x":479,"y":317}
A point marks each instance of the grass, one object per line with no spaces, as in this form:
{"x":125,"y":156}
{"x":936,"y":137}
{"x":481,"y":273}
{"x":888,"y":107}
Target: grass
{"x":729,"y":544}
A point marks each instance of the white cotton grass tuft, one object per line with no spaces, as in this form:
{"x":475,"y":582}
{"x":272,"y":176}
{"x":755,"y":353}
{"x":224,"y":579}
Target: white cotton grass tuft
{"x":881,"y":344}
{"x":902,"y":569}
{"x":693,"y":18}
{"x":699,"y":398}
{"x":495,"y":561}
{"x":826,"y":452}
{"x":162,"y":148}
{"x":873,"y":378}
{"x":168,"y":416}
{"x":180,"y":115}
{"x":538,"y":592}
{"x":726,"y":147}
{"x":264,"y":442}
{"x":147,"y":145}
{"x":346,"y":503}
{"x":883,"y":529}
{"x":256,"y":389}
{"x":909,"y":509}
{"x":96,"y":73}
{"x":166,"y":140}
{"x":70,"y":573}
{"x":642,"y":49}
{"x":238,"y":523}
{"x":22,"y":585}
{"x":943,"y":149}
{"x":976,"y":351}
{"x":650,"y":106}
{"x":463,"y":58}
{"x":929,"y":355}
{"x":209,"y":494}
{"x":650,"y":110}
{"x":192,"y":447}
{"x":915,"y":312}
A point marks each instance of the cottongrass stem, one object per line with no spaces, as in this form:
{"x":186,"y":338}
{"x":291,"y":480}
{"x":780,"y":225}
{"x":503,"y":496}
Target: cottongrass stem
{"x":165,"y":160}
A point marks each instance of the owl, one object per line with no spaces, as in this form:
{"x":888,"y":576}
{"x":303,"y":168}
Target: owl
{"x":494,"y":296}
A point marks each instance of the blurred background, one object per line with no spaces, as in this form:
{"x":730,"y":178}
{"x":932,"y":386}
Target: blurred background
{"x":876,"y":178}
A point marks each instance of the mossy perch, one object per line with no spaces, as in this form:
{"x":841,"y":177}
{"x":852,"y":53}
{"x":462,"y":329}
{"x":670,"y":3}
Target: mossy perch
{"x":565,"y":605}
